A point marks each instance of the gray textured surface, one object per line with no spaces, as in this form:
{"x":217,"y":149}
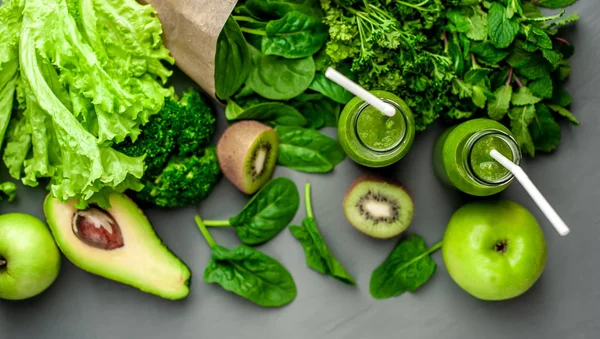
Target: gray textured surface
{"x":565,"y":303}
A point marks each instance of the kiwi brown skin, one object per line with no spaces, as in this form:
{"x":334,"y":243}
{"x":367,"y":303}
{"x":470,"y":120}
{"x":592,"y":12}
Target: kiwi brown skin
{"x":375,"y":179}
{"x":234,"y":147}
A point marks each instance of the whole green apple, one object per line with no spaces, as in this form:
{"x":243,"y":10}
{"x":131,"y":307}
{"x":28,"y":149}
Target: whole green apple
{"x":29,"y":258}
{"x":494,"y":250}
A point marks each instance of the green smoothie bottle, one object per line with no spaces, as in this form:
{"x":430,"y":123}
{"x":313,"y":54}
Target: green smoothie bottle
{"x":373,"y":139}
{"x":461,"y":157}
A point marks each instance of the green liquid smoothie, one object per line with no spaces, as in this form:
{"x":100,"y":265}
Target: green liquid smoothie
{"x":373,"y":139}
{"x":462,"y":160}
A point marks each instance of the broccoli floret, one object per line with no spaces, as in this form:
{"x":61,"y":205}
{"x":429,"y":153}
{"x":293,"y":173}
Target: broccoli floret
{"x":180,"y":167}
{"x":197,"y":125}
{"x":184,"y":181}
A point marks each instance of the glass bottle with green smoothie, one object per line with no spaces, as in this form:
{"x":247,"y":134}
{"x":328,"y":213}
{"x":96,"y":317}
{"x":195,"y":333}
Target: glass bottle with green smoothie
{"x":373,"y":139}
{"x":462,"y":160}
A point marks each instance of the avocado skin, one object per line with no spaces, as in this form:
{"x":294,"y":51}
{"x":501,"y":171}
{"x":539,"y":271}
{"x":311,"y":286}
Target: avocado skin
{"x":173,"y":284}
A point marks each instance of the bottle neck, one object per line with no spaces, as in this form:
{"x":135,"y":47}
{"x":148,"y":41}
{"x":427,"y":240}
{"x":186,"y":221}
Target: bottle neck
{"x":471,"y":159}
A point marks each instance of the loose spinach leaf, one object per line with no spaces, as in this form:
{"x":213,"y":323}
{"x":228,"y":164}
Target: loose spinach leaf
{"x":269,"y":211}
{"x":555,"y":3}
{"x":520,"y":119}
{"x":319,"y":113}
{"x":279,"y":8}
{"x":407,"y":268}
{"x":498,"y":107}
{"x":524,"y":97}
{"x":296,"y":35}
{"x":270,"y":113}
{"x":502,"y":30}
{"x":318,"y":255}
{"x":232,"y":60}
{"x":545,"y":132}
{"x":330,"y":89}
{"x":277,"y":78}
{"x":308,"y":150}
{"x":248,"y":273}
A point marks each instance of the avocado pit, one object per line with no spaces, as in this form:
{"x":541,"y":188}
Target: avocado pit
{"x":97,"y":228}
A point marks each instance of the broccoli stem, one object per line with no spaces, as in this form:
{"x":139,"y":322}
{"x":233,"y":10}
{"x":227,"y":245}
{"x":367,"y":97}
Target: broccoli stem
{"x":217,"y":223}
{"x":308,"y":202}
{"x":253,"y":31}
{"x":209,"y":239}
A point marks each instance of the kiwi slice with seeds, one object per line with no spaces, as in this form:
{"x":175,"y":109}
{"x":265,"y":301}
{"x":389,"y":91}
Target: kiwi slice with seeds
{"x":247,"y":153}
{"x":378,"y":207}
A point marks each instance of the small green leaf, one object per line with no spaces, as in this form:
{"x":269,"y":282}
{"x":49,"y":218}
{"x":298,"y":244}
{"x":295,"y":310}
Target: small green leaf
{"x":498,"y":108}
{"x":520,"y":119}
{"x":537,"y":36}
{"x":319,"y":113}
{"x":561,"y":97}
{"x":555,"y":3}
{"x":477,"y":77}
{"x":462,"y":89}
{"x":524,"y":97}
{"x":408,"y":267}
{"x":545,"y":132}
{"x":573,"y":17}
{"x":271,"y":113}
{"x":478,"y":97}
{"x":477,"y":26}
{"x":552,"y":56}
{"x":308,"y":150}
{"x":296,"y":35}
{"x":542,"y":87}
{"x":530,"y":10}
{"x":502,"y":30}
{"x":459,"y":20}
{"x":546,"y":18}
{"x":565,"y":113}
{"x":232,"y":60}
{"x":330,"y":89}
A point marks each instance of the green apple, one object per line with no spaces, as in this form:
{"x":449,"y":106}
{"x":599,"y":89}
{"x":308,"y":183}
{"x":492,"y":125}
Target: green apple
{"x":29,"y":258}
{"x":494,"y":250}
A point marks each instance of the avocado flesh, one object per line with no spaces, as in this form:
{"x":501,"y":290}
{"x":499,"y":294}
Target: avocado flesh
{"x":143,"y":262}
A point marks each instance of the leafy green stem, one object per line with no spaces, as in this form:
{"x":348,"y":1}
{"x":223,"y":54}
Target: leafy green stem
{"x":209,"y":239}
{"x":418,"y":7}
{"x":246,"y":19}
{"x":253,"y":31}
{"x":308,"y":201}
{"x":518,"y":81}
{"x":434,"y":248}
{"x":217,"y":223}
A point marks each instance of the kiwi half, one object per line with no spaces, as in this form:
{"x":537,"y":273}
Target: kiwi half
{"x":378,"y":207}
{"x":247,"y":153}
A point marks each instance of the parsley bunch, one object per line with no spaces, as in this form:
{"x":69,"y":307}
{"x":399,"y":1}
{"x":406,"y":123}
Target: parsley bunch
{"x":462,"y":59}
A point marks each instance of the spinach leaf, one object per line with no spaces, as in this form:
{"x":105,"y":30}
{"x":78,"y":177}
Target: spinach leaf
{"x":271,"y":113}
{"x":279,"y":8}
{"x":232,"y":60}
{"x":330,"y":89}
{"x":545,"y":132}
{"x":502,"y":30}
{"x":319,"y":113}
{"x":318,"y":255}
{"x":277,"y":78}
{"x":248,"y":273}
{"x":296,"y":35}
{"x":269,"y":211}
{"x":407,"y":268}
{"x":308,"y":150}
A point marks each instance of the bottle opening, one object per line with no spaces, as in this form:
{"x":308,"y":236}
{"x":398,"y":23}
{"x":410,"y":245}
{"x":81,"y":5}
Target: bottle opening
{"x":480,"y":164}
{"x":377,"y":131}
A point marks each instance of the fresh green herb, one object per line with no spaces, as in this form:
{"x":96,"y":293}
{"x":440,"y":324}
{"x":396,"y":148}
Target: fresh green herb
{"x":269,"y":211}
{"x":248,"y":273}
{"x":407,"y":268}
{"x":277,"y":78}
{"x":308,"y":150}
{"x":271,"y":113}
{"x":296,"y":35}
{"x":232,"y":60}
{"x":318,"y":256}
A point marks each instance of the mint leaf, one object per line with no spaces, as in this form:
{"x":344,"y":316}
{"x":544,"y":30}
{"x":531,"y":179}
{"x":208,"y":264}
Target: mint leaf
{"x":520,"y":119}
{"x":545,"y":132}
{"x":407,"y":268}
{"x":477,"y":26}
{"x":462,"y":89}
{"x":555,"y":3}
{"x":564,"y":71}
{"x":545,"y":18}
{"x":477,"y":76}
{"x":458,"y":20}
{"x":530,"y":10}
{"x":478,"y":97}
{"x":498,"y":108}
{"x":502,"y":30}
{"x":537,"y":36}
{"x":514,"y":7}
{"x":552,"y":56}
{"x":488,"y":54}
{"x":573,"y":17}
{"x":565,"y":113}
{"x":542,"y":87}
{"x":561,"y":97}
{"x":530,"y":65}
{"x":524,"y":97}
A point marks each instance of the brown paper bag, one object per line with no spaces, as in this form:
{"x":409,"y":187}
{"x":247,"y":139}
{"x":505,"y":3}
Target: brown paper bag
{"x":191,"y":29}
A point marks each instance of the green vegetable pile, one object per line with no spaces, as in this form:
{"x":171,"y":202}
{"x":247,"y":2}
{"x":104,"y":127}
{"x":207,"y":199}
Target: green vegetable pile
{"x":77,"y":77}
{"x":461,"y":59}
{"x":181,"y":167}
{"x":269,"y":67}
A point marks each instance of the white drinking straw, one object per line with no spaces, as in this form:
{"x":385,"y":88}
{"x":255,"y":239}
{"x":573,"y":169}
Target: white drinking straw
{"x":535,"y":194}
{"x":360,"y":92}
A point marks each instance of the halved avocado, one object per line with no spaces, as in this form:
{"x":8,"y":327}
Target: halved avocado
{"x":118,"y":244}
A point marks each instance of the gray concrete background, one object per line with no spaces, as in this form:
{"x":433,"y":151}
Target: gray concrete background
{"x":563,"y":304}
